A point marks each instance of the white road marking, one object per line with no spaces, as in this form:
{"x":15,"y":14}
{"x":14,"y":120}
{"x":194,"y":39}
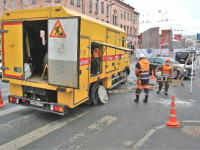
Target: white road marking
{"x":40,"y":132}
{"x":191,"y":100}
{"x":10,"y":110}
{"x":5,"y":101}
{"x":83,"y":137}
{"x":4,"y":89}
{"x":5,"y":94}
{"x":180,"y":102}
{"x":9,"y":125}
{"x":145,"y":138}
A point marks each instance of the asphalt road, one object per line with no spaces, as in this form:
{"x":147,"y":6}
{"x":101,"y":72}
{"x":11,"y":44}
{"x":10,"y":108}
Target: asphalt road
{"x":119,"y":124}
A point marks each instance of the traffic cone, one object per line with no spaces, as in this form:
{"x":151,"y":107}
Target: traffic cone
{"x":1,"y":101}
{"x":173,"y":123}
{"x":152,"y":76}
{"x":199,"y":86}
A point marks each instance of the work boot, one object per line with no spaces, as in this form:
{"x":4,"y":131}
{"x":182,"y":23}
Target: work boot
{"x":137,"y":99}
{"x":166,"y":93}
{"x":146,"y":99}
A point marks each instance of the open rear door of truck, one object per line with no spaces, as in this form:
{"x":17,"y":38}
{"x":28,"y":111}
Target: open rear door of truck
{"x":12,"y":50}
{"x":63,"y":51}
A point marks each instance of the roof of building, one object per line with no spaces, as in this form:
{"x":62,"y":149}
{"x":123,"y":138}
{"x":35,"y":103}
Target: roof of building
{"x":175,"y":40}
{"x":124,"y":2}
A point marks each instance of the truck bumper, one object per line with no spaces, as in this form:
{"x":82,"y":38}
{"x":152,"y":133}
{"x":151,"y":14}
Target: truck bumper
{"x":38,"y":105}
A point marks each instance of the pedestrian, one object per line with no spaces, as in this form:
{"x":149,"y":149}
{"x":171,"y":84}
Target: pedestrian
{"x":166,"y":70}
{"x":142,"y":73}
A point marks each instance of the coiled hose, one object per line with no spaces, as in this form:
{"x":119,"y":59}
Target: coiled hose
{"x":177,"y":77}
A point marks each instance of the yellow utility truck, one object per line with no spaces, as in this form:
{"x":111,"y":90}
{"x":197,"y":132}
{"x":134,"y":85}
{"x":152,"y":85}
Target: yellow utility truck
{"x":55,"y":58}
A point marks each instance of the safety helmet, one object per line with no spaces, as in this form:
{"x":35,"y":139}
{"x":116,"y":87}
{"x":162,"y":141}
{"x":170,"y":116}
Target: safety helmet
{"x":168,"y":60}
{"x":142,"y":55}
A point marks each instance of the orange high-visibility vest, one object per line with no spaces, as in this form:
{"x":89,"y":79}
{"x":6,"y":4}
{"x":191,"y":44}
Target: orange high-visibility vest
{"x":166,"y":69}
{"x":143,"y":71}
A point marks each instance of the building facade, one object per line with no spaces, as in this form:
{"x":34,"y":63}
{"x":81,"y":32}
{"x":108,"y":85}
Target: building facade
{"x":178,"y":37}
{"x":150,"y":38}
{"x":116,"y":12}
{"x":166,"y":39}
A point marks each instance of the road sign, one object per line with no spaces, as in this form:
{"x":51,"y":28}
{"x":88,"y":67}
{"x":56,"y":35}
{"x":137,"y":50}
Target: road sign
{"x":57,"y":30}
{"x":198,"y":36}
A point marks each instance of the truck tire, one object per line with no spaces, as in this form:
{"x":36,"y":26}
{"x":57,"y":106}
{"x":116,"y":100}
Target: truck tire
{"x":125,"y":77}
{"x":94,"y":96}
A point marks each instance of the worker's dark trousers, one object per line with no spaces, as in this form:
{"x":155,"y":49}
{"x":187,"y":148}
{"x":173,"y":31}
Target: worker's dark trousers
{"x":144,"y":84}
{"x":166,"y":85}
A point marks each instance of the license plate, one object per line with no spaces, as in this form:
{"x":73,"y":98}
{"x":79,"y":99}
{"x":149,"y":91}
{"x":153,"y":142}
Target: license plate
{"x":36,"y":103}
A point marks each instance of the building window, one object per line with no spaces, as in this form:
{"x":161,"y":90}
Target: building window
{"x":96,"y":6}
{"x":4,"y":5}
{"x":107,"y":13}
{"x":33,"y":2}
{"x":26,"y":2}
{"x":12,"y":4}
{"x":167,"y":38}
{"x":130,"y":30}
{"x":57,"y":1}
{"x":127,"y":30}
{"x":131,"y":17}
{"x":124,"y":15}
{"x":128,"y":16}
{"x":72,"y":2}
{"x":78,"y":3}
{"x":121,"y":14}
{"x":135,"y":20}
{"x":47,"y":0}
{"x":102,"y":7}
{"x":121,"y":26}
{"x":124,"y":28}
{"x":90,"y":6}
{"x":114,"y":20}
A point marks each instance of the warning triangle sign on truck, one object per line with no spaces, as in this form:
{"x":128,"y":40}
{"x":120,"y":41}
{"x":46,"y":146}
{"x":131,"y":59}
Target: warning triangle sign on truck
{"x":57,"y":31}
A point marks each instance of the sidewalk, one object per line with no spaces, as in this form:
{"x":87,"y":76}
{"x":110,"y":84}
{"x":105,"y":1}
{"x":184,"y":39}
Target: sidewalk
{"x":187,"y":136}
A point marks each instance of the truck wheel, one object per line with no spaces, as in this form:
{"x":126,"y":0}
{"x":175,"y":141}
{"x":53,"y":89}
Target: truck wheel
{"x":125,"y":77}
{"x":94,"y":94}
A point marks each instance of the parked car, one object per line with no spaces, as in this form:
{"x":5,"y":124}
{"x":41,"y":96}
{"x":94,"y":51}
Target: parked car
{"x":192,"y":50}
{"x":156,"y":61}
{"x":181,"y":57}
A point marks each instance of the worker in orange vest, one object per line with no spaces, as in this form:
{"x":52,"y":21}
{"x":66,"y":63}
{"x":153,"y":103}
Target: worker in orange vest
{"x":166,"y":70}
{"x":142,"y":72}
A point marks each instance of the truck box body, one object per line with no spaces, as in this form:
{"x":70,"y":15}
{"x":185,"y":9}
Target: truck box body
{"x":49,"y":60}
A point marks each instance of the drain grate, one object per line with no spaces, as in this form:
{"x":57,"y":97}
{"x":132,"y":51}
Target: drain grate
{"x":192,"y":130}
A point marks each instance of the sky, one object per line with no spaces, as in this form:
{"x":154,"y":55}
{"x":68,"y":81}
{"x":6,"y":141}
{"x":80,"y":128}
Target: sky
{"x":182,"y":16}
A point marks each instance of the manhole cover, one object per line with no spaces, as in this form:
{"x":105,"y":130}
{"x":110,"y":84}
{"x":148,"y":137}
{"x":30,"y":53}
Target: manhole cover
{"x":192,"y":130}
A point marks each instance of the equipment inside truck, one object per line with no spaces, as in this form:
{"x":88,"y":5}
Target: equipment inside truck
{"x":35,"y":46}
{"x":96,"y":59}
